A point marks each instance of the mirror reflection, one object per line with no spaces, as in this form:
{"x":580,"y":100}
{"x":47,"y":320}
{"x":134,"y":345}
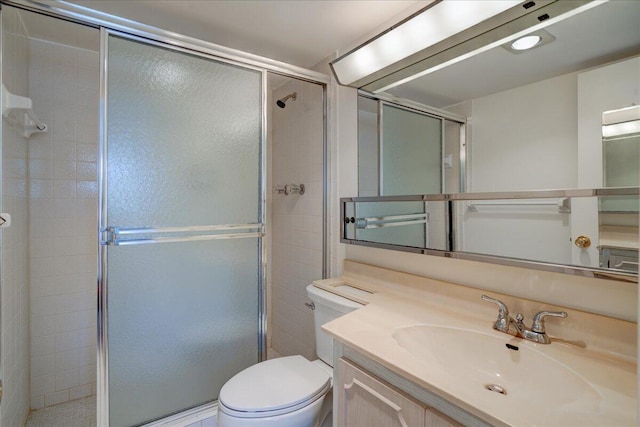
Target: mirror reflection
{"x":408,"y":149}
{"x":534,"y":226}
{"x":534,"y":119}
{"x":409,"y":224}
{"x":535,"y":116}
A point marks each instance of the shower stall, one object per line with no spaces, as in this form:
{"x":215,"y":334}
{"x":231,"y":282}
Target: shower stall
{"x":134,"y":270}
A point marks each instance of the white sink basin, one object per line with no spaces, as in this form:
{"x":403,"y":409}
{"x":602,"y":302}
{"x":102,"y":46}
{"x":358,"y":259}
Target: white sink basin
{"x":475,"y":361}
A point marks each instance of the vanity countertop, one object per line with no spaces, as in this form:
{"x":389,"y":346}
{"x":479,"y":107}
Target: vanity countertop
{"x":604,"y":381}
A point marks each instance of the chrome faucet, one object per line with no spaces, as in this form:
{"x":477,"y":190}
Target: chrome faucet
{"x":537,"y":332}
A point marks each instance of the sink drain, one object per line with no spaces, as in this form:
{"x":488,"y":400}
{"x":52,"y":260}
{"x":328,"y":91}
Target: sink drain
{"x":496,"y":388}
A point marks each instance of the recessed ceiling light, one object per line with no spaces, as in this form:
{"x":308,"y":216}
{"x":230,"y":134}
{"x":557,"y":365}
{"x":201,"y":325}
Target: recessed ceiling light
{"x":526,"y":42}
{"x":530,"y":41}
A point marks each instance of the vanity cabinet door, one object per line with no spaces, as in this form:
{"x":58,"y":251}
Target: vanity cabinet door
{"x":435,"y":418}
{"x":365,"y":401}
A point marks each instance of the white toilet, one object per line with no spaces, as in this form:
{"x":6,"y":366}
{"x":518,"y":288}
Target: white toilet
{"x":288,"y":391}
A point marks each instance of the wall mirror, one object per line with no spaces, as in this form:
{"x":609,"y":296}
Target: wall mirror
{"x":528,"y":229}
{"x":527,"y":120}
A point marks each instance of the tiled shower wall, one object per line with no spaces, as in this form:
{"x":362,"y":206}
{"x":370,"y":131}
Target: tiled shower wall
{"x":296,"y":150}
{"x":64,"y":84}
{"x":15,"y":286}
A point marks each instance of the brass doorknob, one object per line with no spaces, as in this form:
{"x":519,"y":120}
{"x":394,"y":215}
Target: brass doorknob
{"x":583,"y":242}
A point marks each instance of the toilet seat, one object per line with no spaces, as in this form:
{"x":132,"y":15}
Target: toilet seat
{"x":274,"y":387}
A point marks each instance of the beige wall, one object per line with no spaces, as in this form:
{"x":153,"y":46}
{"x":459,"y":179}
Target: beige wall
{"x":295,"y":240}
{"x":520,"y":132}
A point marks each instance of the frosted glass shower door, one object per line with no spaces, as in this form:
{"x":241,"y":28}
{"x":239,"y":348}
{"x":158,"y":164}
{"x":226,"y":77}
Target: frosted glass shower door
{"x":411,"y":152}
{"x":182,"y":229}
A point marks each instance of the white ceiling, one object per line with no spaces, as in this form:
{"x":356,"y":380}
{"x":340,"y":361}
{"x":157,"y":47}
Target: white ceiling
{"x":298,"y":32}
{"x":605,"y":33}
{"x":304,"y":32}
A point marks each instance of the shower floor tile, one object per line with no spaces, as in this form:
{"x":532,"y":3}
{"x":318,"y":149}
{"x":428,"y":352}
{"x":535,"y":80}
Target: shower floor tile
{"x":78,"y":413}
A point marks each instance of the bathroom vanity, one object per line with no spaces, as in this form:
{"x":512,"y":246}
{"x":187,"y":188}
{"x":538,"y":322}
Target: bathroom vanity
{"x":423,"y":353}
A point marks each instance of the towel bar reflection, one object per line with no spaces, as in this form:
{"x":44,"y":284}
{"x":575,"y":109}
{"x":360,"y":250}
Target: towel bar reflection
{"x":391,"y":220}
{"x":563,"y":205}
{"x":289,"y":189}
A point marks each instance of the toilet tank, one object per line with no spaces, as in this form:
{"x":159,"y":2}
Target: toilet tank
{"x":328,"y":307}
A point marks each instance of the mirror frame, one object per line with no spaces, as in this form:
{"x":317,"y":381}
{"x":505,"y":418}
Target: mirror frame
{"x":575,"y":270}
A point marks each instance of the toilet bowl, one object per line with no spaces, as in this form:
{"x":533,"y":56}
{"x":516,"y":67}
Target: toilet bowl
{"x":288,"y":391}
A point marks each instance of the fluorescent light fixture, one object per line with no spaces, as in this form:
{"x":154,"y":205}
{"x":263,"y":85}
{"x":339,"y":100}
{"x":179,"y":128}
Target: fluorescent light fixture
{"x":526,"y":42}
{"x":621,"y":129}
{"x":433,"y":25}
{"x":447,"y":32}
{"x":622,"y":122}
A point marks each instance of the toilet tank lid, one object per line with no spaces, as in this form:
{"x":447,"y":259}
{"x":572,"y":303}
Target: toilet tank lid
{"x":274,"y":384}
{"x":336,"y":302}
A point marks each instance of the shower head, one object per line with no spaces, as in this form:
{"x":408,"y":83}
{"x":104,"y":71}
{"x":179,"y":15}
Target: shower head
{"x":282,"y":101}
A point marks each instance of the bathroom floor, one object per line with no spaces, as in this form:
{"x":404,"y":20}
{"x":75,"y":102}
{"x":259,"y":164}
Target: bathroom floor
{"x":81,"y":412}
{"x":78,"y":413}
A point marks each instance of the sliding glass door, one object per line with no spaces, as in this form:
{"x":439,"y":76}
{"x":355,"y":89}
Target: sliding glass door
{"x":182,"y":225}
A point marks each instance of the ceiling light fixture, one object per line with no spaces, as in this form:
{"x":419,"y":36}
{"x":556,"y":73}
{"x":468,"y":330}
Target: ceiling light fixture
{"x":434,"y":24}
{"x":529,"y":41}
{"x":621,"y":123}
{"x":444,"y":33}
{"x":526,"y":42}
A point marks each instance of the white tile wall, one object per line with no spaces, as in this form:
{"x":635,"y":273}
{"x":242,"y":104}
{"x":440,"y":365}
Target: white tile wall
{"x":15,"y":290}
{"x":295,"y":251}
{"x":15,"y":287}
{"x":63,"y":221}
